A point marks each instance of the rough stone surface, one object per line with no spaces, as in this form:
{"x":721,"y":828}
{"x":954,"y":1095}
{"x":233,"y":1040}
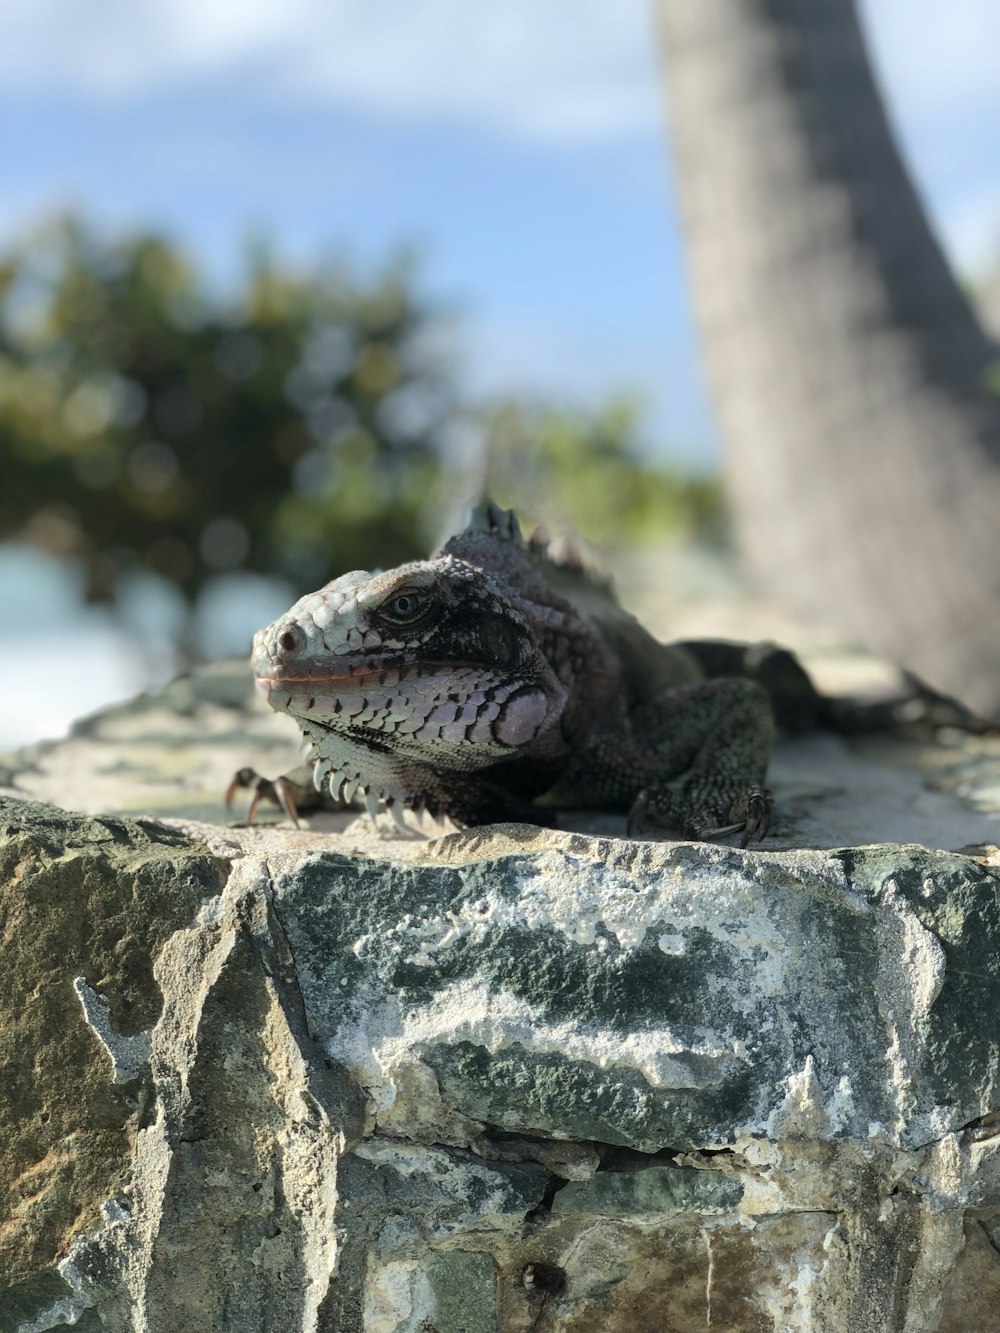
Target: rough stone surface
{"x":510,"y":1079}
{"x":92,"y":900}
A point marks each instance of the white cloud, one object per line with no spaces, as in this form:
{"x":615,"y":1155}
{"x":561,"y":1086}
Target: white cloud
{"x":538,"y":68}
{"x":935,"y":61}
{"x":940,"y":74}
{"x":556,"y":69}
{"x":564,"y":71}
{"x":112,"y":48}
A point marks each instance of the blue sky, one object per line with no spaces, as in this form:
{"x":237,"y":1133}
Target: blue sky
{"x":518,"y":147}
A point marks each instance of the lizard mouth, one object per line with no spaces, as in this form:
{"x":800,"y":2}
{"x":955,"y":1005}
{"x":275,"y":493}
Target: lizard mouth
{"x":363,"y":676}
{"x":360,"y":677}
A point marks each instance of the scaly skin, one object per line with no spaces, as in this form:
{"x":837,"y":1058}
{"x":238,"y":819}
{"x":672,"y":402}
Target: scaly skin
{"x":470,"y":686}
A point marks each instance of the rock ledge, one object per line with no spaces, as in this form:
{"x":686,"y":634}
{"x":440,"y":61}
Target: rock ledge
{"x":506,"y":1081}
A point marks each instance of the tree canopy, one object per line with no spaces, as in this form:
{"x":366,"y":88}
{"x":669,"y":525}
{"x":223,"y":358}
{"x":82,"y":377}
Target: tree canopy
{"x":300,"y":427}
{"x":145,"y":425}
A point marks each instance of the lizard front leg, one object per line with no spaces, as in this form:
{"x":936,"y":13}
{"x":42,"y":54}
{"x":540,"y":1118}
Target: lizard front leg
{"x":716,"y":737}
{"x":693,"y":760}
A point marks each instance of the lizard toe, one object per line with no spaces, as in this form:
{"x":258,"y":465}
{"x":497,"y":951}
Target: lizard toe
{"x":277,"y":792}
{"x":638,"y":816}
{"x":750,"y":816}
{"x":242,"y":780}
{"x":759,"y":804}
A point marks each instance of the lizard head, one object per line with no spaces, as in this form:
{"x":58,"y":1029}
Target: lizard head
{"x":428,"y":663}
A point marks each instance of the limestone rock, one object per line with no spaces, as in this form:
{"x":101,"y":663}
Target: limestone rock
{"x":505,"y":1080}
{"x":91,"y":901}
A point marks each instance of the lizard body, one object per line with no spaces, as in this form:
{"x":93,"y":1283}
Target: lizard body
{"x":491,"y":682}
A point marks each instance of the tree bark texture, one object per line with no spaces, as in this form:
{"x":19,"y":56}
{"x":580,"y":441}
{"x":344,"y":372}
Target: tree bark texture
{"x":846,"y":365}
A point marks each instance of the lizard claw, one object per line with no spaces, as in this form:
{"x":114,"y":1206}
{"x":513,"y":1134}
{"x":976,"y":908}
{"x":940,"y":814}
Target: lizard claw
{"x":753,"y":825}
{"x":760,"y":803}
{"x":277,"y":792}
{"x":636,"y":824}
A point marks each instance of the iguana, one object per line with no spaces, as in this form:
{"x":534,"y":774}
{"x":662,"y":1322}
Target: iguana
{"x":494,"y":682}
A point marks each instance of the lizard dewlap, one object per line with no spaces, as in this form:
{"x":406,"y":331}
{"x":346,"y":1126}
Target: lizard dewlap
{"x":476,"y":682}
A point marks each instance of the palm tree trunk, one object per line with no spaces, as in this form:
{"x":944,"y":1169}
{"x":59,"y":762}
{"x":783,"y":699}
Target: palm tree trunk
{"x":846,"y":365}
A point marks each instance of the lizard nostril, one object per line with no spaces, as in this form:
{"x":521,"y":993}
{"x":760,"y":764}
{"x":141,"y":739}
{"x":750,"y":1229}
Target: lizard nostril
{"x":291,"y":640}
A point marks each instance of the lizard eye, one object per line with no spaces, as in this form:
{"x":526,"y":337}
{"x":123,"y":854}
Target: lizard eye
{"x":407,"y":607}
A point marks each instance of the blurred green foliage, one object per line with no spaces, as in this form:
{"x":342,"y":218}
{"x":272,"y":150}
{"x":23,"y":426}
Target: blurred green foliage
{"x":143,"y":425}
{"x":586,"y":473}
{"x":302,"y":428}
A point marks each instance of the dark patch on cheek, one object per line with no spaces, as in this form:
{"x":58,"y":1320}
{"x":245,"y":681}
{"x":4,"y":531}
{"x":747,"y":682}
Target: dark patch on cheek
{"x":499,"y":642}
